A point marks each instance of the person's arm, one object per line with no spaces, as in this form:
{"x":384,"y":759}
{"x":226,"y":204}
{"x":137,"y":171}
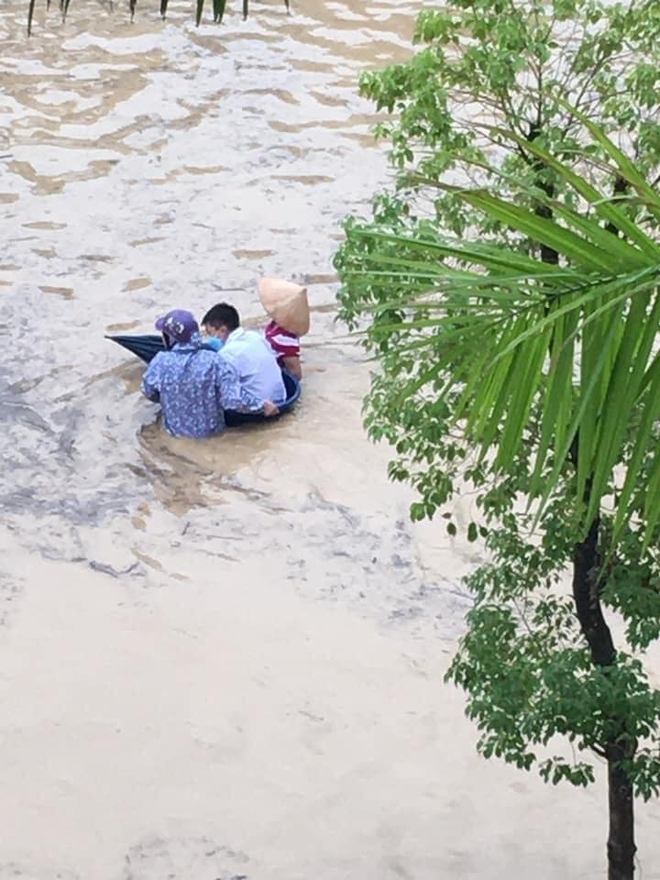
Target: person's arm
{"x":231,"y":394}
{"x":286,"y":348}
{"x":151,"y":380}
{"x":292,"y":366}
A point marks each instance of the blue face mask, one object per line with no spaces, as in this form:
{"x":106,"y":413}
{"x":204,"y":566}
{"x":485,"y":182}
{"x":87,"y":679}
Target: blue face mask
{"x":214,"y":343}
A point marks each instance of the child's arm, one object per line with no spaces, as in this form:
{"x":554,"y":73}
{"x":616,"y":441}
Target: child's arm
{"x":286,"y":348}
{"x":292,"y":365}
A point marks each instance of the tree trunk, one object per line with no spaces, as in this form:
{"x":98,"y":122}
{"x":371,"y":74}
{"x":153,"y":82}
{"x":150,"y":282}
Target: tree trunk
{"x":619,"y":189}
{"x":587,"y":586}
{"x":621,"y":846}
{"x":621,"y":841}
{"x":548,"y":254}
{"x":586,"y":594}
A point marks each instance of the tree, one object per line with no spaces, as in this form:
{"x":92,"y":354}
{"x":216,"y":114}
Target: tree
{"x":516,"y":330}
{"x":515,"y":64}
{"x":502,"y":379}
{"x":218,"y":10}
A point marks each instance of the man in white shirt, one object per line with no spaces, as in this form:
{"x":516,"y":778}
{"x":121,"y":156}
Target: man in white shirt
{"x":247,"y":351}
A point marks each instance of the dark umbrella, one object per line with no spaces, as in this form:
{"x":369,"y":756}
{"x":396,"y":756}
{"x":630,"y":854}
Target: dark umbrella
{"x":145,"y":347}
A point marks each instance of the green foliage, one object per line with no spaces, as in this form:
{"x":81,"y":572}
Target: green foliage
{"x":513,"y":63}
{"x":523,"y":662}
{"x":602,"y":299}
{"x":488,"y":372}
{"x":218,"y":10}
{"x":523,"y":130}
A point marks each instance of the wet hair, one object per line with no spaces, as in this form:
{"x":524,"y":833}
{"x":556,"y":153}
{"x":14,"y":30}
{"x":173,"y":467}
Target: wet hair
{"x":222,"y":315}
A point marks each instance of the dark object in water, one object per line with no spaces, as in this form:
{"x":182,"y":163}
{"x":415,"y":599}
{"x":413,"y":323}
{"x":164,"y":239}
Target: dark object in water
{"x":147,"y":347}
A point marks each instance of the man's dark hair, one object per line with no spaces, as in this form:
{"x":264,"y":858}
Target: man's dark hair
{"x":222,"y":315}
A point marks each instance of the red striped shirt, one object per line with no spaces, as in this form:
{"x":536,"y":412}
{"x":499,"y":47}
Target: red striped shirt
{"x":283,"y":343}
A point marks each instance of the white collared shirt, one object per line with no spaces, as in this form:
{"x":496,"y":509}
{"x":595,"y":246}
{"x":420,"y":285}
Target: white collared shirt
{"x":255,"y":363}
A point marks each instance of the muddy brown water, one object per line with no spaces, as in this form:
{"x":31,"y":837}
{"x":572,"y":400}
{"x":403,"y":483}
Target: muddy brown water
{"x":150,"y":166}
{"x":219,"y":659}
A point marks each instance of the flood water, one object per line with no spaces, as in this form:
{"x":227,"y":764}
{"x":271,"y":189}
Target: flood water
{"x":220,"y":659}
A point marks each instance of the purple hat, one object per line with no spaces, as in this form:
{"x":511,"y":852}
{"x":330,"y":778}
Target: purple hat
{"x":178,"y":324}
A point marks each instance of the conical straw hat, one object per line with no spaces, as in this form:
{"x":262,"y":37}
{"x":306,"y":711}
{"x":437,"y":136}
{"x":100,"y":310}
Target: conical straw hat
{"x":286,"y":303}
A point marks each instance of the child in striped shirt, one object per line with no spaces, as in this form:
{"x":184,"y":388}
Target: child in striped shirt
{"x":286,"y":347}
{"x":287,"y":306}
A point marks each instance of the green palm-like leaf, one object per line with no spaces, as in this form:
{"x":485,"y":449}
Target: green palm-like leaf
{"x":603,"y":207}
{"x":30,"y":17}
{"x":580,"y":336}
{"x":218,"y":10}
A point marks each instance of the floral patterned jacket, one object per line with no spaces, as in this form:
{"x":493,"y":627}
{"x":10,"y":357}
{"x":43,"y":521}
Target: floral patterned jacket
{"x":194,"y":385}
